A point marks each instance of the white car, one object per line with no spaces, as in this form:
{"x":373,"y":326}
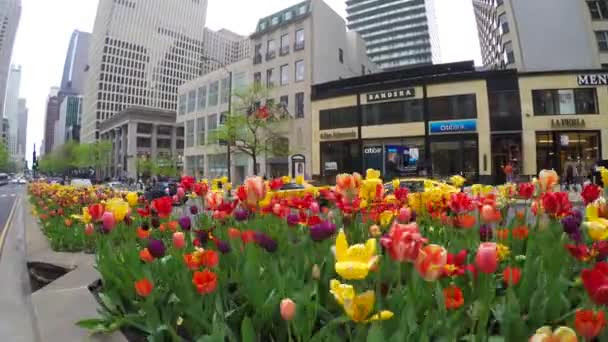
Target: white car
{"x":22,"y":181}
{"x":81,"y":183}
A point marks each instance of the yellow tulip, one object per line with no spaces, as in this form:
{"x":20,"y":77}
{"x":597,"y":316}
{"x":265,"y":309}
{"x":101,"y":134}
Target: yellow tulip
{"x":132,"y":198}
{"x":604,"y":175}
{"x":354,"y":262}
{"x":118,"y":207}
{"x":357,"y":307}
{"x":300,"y":180}
{"x":503,"y":251}
{"x":561,"y":334}
{"x":597,"y":227}
{"x":85,"y":217}
{"x":396,"y":184}
{"x":224,"y":180}
{"x":286,"y":179}
{"x":386,"y":217}
{"x":481,"y":190}
{"x":457,"y":181}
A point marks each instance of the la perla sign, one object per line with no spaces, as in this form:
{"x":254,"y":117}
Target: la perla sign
{"x":592,"y":79}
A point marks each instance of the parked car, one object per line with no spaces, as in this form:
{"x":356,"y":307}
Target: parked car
{"x":81,"y":183}
{"x":415,"y":185}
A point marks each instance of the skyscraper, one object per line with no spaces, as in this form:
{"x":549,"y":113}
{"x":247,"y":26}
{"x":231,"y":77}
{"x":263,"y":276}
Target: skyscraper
{"x":140,"y":52}
{"x":396,"y":32}
{"x":76,"y":61}
{"x":52,"y":115}
{"x":11,"y":108}
{"x":10,"y":13}
{"x":542,"y":34}
{"x":22,"y":129}
{"x":225,"y":47}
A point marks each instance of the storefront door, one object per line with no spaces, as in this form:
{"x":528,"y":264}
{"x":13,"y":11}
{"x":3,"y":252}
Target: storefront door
{"x":568,"y":149}
{"x":506,"y":157}
{"x":452,"y":155}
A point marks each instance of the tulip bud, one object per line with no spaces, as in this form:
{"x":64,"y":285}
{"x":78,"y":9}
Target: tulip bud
{"x":288,"y":309}
{"x":108,"y":221}
{"x":179,"y":241}
{"x":316,"y":272}
{"x":89,"y":229}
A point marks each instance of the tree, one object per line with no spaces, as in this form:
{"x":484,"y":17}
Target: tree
{"x":253,"y":129}
{"x":4,"y":157}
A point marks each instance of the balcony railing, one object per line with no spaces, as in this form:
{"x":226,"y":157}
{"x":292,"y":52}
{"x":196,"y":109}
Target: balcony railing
{"x":298,"y":46}
{"x":284,"y":50}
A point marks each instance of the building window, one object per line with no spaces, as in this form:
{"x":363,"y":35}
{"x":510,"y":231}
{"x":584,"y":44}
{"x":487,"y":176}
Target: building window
{"x":270,"y":50}
{"x":213,"y":93}
{"x":505,"y":110}
{"x":284,"y":74}
{"x":392,"y":112}
{"x":202,"y":97}
{"x":509,"y":56}
{"x":257,"y":57}
{"x":144,"y":128}
{"x":299,"y":105}
{"x":602,"y":40}
{"x":302,"y":10}
{"x":270,"y":78}
{"x":300,"y":70}
{"x":565,"y":101}
{"x":212,"y":124}
{"x":225,"y":90}
{"x":299,"y":40}
{"x":338,"y":118}
{"x":164,"y":130}
{"x":190,"y":133}
{"x":452,"y":107}
{"x":598,"y":9}
{"x":200,"y":129}
{"x":341,"y":56}
{"x":284,"y":102}
{"x":257,"y":78}
{"x":284,"y":44}
{"x":191,"y":101}
{"x":182,"y":104}
{"x":144,"y":142}
{"x":503,"y":23}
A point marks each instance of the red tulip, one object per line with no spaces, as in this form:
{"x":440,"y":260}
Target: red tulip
{"x":431,"y":262}
{"x":96,"y":211}
{"x":526,"y":190}
{"x":511,"y":275}
{"x":556,"y":203}
{"x":596,"y":283}
{"x":143,"y":287}
{"x":489,"y":214}
{"x":590,"y":193}
{"x":163,"y":206}
{"x":453,"y":297}
{"x":460,"y":203}
{"x":187,"y":182}
{"x":487,"y":257}
{"x":589,"y":324}
{"x":205,"y":281}
{"x":403,"y":242}
{"x":456,"y":264}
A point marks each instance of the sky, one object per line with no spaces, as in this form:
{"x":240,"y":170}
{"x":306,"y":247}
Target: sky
{"x":46,"y":26}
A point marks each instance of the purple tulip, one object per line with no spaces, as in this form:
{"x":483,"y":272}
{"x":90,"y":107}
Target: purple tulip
{"x":156,"y":248}
{"x":203,"y":236}
{"x":485,"y":233}
{"x":571,"y":225}
{"x":293,"y":220}
{"x":223,"y":246}
{"x":322,"y":231}
{"x":155,"y":221}
{"x":185,"y":223}
{"x":193,"y":210}
{"x":265,"y":241}
{"x":241,"y":214}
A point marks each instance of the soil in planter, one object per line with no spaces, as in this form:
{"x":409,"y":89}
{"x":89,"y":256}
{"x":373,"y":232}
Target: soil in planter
{"x":42,"y":274}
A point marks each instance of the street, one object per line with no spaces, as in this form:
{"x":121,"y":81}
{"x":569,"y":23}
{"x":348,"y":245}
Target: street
{"x":8,"y":194}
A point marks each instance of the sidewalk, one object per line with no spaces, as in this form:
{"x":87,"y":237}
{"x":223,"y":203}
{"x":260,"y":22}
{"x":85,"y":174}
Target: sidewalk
{"x":60,"y":304}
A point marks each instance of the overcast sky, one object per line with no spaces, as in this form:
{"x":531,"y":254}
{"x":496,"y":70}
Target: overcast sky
{"x":46,"y":26}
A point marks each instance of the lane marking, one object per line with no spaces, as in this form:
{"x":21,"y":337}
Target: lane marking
{"x":7,"y":226}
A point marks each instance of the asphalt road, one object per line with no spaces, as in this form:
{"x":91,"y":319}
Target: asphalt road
{"x":8,"y":194}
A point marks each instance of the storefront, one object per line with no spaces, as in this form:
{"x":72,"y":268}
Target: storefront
{"x":578,"y":150}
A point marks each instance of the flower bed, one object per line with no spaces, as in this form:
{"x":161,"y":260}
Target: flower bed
{"x":504,"y":263}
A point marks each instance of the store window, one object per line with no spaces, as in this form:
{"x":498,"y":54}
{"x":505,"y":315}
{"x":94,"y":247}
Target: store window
{"x":451,"y":155}
{"x":392,"y":113}
{"x":340,"y":157}
{"x":452,"y":107}
{"x":338,"y":118}
{"x":562,"y":149}
{"x":505,"y":111}
{"x":565,"y":101}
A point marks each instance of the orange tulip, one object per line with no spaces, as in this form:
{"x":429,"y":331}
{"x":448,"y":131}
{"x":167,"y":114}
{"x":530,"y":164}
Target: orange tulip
{"x":145,"y":255}
{"x":143,"y":287}
{"x":142,"y":233}
{"x":431,"y":261}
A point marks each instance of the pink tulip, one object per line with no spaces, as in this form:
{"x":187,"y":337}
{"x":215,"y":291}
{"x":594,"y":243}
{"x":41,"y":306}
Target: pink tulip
{"x":89,"y":229}
{"x":108,"y":221}
{"x":175,"y":199}
{"x":179,"y":240}
{"x":181,"y":192}
{"x":405,"y":214}
{"x":288,"y":309}
{"x":487,"y":257}
{"x":314,"y":208}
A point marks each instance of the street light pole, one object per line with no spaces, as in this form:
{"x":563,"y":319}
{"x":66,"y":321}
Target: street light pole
{"x":228,"y":143}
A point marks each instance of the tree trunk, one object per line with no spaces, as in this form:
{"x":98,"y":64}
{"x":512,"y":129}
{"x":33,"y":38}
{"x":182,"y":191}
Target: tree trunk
{"x":255,"y":164}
